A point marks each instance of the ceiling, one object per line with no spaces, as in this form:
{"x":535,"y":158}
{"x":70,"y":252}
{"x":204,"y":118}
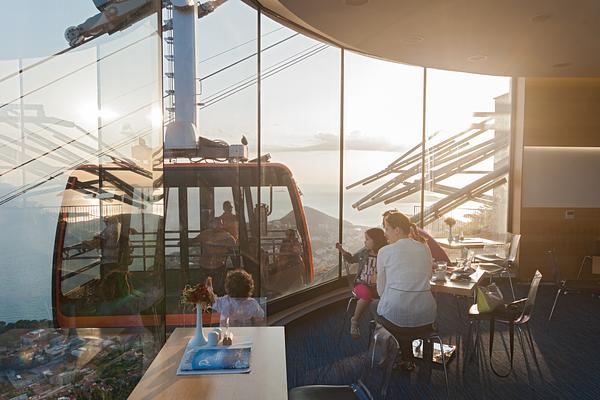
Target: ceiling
{"x":508,"y":37}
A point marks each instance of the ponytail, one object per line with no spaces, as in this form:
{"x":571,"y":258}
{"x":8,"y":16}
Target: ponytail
{"x":398,"y":220}
{"x":414,"y":233}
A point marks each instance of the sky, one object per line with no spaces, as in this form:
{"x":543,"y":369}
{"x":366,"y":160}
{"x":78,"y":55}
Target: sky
{"x":300,"y":103}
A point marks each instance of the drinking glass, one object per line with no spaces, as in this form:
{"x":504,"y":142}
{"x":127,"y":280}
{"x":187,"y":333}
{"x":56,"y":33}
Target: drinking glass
{"x":470,"y":257}
{"x":440,"y":270}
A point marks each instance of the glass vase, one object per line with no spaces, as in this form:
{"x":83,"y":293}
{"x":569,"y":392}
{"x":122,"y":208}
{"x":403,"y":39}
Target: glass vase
{"x":450,"y":238}
{"x":199,"y":339}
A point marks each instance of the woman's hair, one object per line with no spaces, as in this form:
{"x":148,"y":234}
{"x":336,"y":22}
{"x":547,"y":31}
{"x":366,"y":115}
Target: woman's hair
{"x":239,"y":284}
{"x":378,"y":237}
{"x":398,"y":220}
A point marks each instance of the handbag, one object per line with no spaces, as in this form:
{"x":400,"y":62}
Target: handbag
{"x":489,"y":298}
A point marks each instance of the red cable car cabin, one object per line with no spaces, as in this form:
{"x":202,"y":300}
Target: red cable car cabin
{"x":118,"y":261}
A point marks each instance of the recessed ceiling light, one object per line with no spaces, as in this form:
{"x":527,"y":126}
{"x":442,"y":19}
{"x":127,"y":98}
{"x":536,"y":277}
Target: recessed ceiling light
{"x":562,"y":65}
{"x":356,"y":2}
{"x":479,"y":57}
{"x":541,"y":17}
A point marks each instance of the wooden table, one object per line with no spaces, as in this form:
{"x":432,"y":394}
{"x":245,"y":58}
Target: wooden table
{"x":266,"y":380}
{"x":459,"y":288}
{"x":467,"y":243}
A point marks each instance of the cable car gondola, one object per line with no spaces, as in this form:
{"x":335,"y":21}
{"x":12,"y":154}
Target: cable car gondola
{"x":124,"y":249}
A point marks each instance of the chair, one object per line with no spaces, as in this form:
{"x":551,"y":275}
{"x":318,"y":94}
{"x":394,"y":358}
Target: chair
{"x":496,"y":266}
{"x":427,"y":339}
{"x":570,"y":285}
{"x":383,"y":348}
{"x":515,"y":314}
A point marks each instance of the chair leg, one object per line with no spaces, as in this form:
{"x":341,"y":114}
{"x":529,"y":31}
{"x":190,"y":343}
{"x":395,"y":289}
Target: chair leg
{"x":477,"y":339}
{"x":468,"y":345}
{"x":345,"y":318}
{"x":558,"y":293}
{"x":530,"y":338}
{"x":350,"y":300}
{"x":581,"y":266}
{"x":439,"y":339}
{"x":372,"y":325}
{"x":512,"y":289}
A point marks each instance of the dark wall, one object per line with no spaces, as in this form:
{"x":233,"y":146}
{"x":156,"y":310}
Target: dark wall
{"x":560,"y":112}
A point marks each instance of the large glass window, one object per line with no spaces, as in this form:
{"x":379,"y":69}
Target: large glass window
{"x":468,"y":123}
{"x":81,"y":276}
{"x":104,"y":242}
{"x":300,"y":114}
{"x":382,"y":142}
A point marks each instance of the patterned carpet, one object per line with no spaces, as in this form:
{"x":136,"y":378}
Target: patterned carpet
{"x":567,"y":349}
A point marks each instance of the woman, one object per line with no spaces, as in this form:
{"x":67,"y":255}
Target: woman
{"x":366,"y":277}
{"x":407,"y":306}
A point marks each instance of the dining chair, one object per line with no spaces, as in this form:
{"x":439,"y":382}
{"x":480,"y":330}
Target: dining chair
{"x":502,"y":267}
{"x":427,"y":339}
{"x":516,"y":314}
{"x":564,"y":286}
{"x":379,"y":363}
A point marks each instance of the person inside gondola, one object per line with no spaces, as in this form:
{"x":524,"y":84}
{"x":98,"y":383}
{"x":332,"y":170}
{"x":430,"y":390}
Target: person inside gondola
{"x":230,"y":220}
{"x":290,"y":253}
{"x":108,"y":242}
{"x":287,"y":272}
{"x":116,"y":294}
{"x":115,"y":257}
{"x":216,"y":245}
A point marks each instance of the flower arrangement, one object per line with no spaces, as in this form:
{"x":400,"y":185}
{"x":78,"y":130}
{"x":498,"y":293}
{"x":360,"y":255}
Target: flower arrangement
{"x":198,"y":294}
{"x":201,"y":295}
{"x":450,"y":221}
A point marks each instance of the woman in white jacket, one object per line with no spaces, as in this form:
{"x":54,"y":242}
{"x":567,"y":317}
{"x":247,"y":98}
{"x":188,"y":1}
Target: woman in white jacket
{"x":404,"y":268}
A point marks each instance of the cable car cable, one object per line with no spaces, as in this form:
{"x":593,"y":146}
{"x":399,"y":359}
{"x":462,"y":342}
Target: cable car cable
{"x":72,"y":72}
{"x":246,"y":58}
{"x":265,"y":76}
{"x":237,"y":46}
{"x":253,"y":77}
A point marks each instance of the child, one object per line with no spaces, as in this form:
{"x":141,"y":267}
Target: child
{"x":365,"y":285}
{"x":237,"y":305}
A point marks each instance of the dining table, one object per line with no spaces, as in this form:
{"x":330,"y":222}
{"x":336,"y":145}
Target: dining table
{"x":267,"y":378}
{"x":464,"y":288}
{"x":467,"y":243}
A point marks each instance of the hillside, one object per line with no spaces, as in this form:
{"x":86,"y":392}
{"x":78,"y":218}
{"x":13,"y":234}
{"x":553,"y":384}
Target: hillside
{"x":316,"y":218}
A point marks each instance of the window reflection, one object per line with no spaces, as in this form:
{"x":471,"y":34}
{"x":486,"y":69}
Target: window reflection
{"x":109,"y":264}
{"x":467,"y":157}
{"x":83,"y":273}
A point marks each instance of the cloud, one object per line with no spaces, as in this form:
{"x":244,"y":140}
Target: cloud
{"x":353,"y":141}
